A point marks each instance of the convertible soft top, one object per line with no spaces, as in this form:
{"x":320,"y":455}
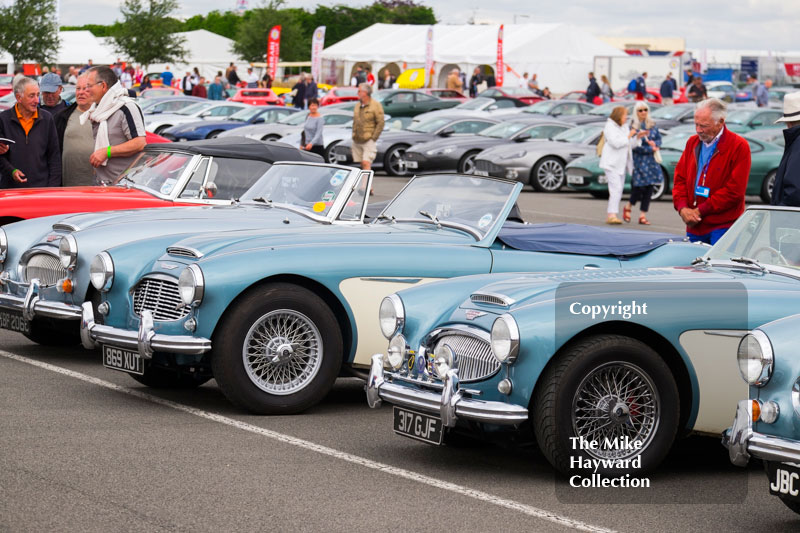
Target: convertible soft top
{"x":584,"y":240}
{"x":241,"y":148}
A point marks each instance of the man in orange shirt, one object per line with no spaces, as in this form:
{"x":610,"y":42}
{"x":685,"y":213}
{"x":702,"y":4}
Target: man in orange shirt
{"x":31,"y":157}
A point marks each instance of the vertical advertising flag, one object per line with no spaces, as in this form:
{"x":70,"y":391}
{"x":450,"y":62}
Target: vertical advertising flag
{"x":273,"y":50}
{"x":500,"y":67}
{"x":429,"y":56}
{"x":317,"y":44}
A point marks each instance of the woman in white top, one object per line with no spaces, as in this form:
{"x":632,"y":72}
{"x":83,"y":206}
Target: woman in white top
{"x":616,"y":158}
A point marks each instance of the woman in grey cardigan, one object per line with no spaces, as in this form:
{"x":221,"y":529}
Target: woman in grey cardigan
{"x":312,"y":129}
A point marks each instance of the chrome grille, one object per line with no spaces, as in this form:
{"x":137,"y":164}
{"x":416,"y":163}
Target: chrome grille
{"x":474,"y":356}
{"x":488,"y":166}
{"x":490,"y":299}
{"x":183,"y":252}
{"x":160,"y":296}
{"x":47,"y":268}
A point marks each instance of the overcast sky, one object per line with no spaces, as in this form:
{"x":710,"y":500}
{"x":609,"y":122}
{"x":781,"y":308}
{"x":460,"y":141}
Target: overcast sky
{"x":738,"y":24}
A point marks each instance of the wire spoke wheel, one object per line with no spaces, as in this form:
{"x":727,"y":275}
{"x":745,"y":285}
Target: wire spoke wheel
{"x":616,"y":403}
{"x":282,"y":352}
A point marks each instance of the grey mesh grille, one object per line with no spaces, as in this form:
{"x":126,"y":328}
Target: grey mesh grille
{"x":160,"y":296}
{"x":474,"y":356}
{"x":488,"y":299}
{"x":47,"y":268}
{"x":183,"y":252}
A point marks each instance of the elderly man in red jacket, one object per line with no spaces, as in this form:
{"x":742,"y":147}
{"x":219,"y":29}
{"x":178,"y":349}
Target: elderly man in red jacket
{"x":711,"y":176}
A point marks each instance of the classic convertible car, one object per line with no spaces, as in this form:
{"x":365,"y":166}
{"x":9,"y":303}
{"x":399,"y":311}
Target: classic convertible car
{"x":600,"y":368}
{"x":767,"y":426}
{"x":275,"y":314}
{"x":214,"y":171}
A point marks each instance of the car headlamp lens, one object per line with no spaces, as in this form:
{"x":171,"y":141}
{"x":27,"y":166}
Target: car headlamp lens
{"x":191,"y":285}
{"x":515,"y":155}
{"x":443,"y":359}
{"x":101,"y":272}
{"x":3,"y":245}
{"x":391,"y":315}
{"x":68,"y":252}
{"x":755,"y":358}
{"x":504,"y":339}
{"x":441,"y":151}
{"x":397,"y":352}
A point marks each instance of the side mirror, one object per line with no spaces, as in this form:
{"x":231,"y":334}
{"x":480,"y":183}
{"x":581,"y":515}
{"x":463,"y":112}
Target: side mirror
{"x":259,"y":120}
{"x":205,"y":114}
{"x":556,"y":114}
{"x":522,"y":138}
{"x":388,"y":101}
{"x":210,"y":190}
{"x":447,"y":132}
{"x":757,"y":123}
{"x":492,"y":107}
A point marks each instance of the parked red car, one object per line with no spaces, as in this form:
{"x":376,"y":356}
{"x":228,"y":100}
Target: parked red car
{"x":653,"y":96}
{"x":580,"y":96}
{"x":5,"y":83}
{"x":337,"y":95}
{"x":518,"y":93}
{"x":256,"y":96}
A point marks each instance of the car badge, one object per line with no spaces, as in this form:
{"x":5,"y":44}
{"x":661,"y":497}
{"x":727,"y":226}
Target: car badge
{"x":421,"y":364}
{"x":411,"y":361}
{"x":168,"y":266}
{"x":472,"y":314}
{"x":51,"y":238}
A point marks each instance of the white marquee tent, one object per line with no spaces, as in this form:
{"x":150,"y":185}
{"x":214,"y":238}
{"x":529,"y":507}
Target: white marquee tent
{"x":560,"y":54}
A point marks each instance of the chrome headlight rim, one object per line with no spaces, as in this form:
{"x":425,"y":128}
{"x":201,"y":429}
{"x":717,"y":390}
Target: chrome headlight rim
{"x":396,"y":352}
{"x":3,"y":246}
{"x":106,"y":271}
{"x":796,"y":396}
{"x":192,"y":279}
{"x":766,"y":358}
{"x":395,"y":304}
{"x":68,"y":252}
{"x":505,"y":354}
{"x":444,"y":359}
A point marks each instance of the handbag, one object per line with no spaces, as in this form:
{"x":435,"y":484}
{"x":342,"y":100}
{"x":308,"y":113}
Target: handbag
{"x":657,"y":156}
{"x":600,"y":144}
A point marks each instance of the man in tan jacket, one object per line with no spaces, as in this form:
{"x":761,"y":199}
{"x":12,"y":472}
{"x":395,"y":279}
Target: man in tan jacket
{"x":367,"y":126}
{"x":454,"y":80}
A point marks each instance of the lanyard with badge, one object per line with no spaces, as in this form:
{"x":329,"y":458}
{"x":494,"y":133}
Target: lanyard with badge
{"x":699,"y":186}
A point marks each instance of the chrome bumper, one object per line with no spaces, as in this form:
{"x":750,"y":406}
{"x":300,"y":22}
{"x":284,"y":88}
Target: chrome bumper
{"x":450,"y":404}
{"x":31,"y":306}
{"x":742,"y":442}
{"x":145,"y":341}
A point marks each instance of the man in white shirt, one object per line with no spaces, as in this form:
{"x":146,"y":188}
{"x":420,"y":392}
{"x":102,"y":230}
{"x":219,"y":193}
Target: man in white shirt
{"x":252,"y":78}
{"x":523,"y":81}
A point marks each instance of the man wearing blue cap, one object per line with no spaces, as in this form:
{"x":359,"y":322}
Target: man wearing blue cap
{"x":51,"y":86}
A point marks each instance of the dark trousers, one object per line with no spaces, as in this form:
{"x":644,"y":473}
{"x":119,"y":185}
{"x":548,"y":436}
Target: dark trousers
{"x":642,"y":193}
{"x":318,"y":149}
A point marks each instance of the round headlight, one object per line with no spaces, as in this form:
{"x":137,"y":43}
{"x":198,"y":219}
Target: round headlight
{"x":755,"y":358}
{"x":397,"y":352}
{"x":443,"y":359}
{"x":3,"y":245}
{"x":391,"y":315}
{"x":68,"y":252}
{"x":191,"y":285}
{"x":505,"y":339}
{"x":101,"y":272}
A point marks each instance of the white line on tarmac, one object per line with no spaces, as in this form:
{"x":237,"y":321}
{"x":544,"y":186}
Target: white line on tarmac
{"x":307,"y":445}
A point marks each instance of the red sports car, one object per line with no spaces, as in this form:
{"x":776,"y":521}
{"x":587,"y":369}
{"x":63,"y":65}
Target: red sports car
{"x":212,"y":171}
{"x":580,"y":96}
{"x":5,"y":83}
{"x":256,"y":96}
{"x":337,"y":95}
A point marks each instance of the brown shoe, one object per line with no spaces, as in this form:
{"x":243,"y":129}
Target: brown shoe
{"x":613,"y":219}
{"x":643,"y":220}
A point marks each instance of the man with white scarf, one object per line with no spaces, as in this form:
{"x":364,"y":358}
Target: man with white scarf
{"x":117,"y":125}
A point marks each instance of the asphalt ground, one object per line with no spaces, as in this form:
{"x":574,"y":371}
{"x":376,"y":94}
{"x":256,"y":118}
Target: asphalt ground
{"x":84,"y":448}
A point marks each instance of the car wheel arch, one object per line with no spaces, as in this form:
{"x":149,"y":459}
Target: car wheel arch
{"x":547,"y":156}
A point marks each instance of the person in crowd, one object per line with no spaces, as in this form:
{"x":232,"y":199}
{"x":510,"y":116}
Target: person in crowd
{"x":117,"y":68}
{"x":232,"y":76}
{"x":454,"y":80}
{"x":138,"y":74}
{"x":593,"y":90}
{"x":145,"y":83}
{"x":711,"y":175}
{"x":199,"y":90}
{"x":697,"y":90}
{"x":252,"y":78}
{"x":310,"y":91}
{"x":215,"y":89}
{"x":229,"y":69}
{"x":195,"y":76}
{"x":641,"y":86}
{"x":186,"y":84}
{"x":522,"y":83}
{"x":299,"y":93}
{"x":370,"y":76}
{"x":367,"y":127}
{"x":166,"y":77}
{"x":646,"y":170}
{"x":359,"y":77}
{"x":546,"y":94}
{"x":311,"y":138}
{"x":72,"y":76}
{"x":34,"y":158}
{"x":605,"y":90}
{"x":76,"y":139}
{"x":126,"y":78}
{"x":117,"y":125}
{"x":533,"y":84}
{"x":491,"y":81}
{"x":689,"y":76}
{"x":387,"y":81}
{"x":86,"y":67}
{"x":474,"y":82}
{"x":668,"y":88}
{"x":616,"y":158}
{"x":51,"y":87}
{"x":787,"y":180}
{"x":758,"y":90}
{"x":266,"y":81}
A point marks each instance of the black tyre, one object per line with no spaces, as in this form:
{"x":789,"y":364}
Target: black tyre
{"x":766,"y":187}
{"x":466,"y":165}
{"x":579,"y":396}
{"x":601,"y":195}
{"x":394,"y":163}
{"x":168,"y":378}
{"x":271,"y":137}
{"x":277,"y":351}
{"x":214,"y":134}
{"x":660,"y":189}
{"x":49,"y":332}
{"x":548,"y":175}
{"x":160,"y":130}
{"x":330,"y":157}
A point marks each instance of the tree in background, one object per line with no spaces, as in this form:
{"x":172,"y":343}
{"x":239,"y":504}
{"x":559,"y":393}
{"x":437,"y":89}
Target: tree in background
{"x":250,"y":42}
{"x":29,"y":31}
{"x":145,"y":35}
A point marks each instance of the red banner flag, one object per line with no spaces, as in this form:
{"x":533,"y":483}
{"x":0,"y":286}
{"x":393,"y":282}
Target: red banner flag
{"x":273,"y":50}
{"x":792,"y":69}
{"x":499,"y":71}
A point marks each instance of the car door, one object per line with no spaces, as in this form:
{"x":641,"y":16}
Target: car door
{"x":425,"y":102}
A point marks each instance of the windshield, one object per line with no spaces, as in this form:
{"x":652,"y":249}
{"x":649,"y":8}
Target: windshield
{"x":5,"y":79}
{"x":158,"y":172}
{"x":245,"y":114}
{"x":429,"y":126}
{"x":771,"y":237}
{"x":475,"y":104}
{"x":676,"y":141}
{"x":668,"y":112}
{"x":580,"y":134}
{"x":504,"y":130}
{"x":740,"y":117}
{"x":294,"y":119}
{"x":603,"y":110}
{"x":541,"y":108}
{"x":518,"y":91}
{"x":470,"y":201}
{"x":312,"y":189}
{"x":194,"y":108}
